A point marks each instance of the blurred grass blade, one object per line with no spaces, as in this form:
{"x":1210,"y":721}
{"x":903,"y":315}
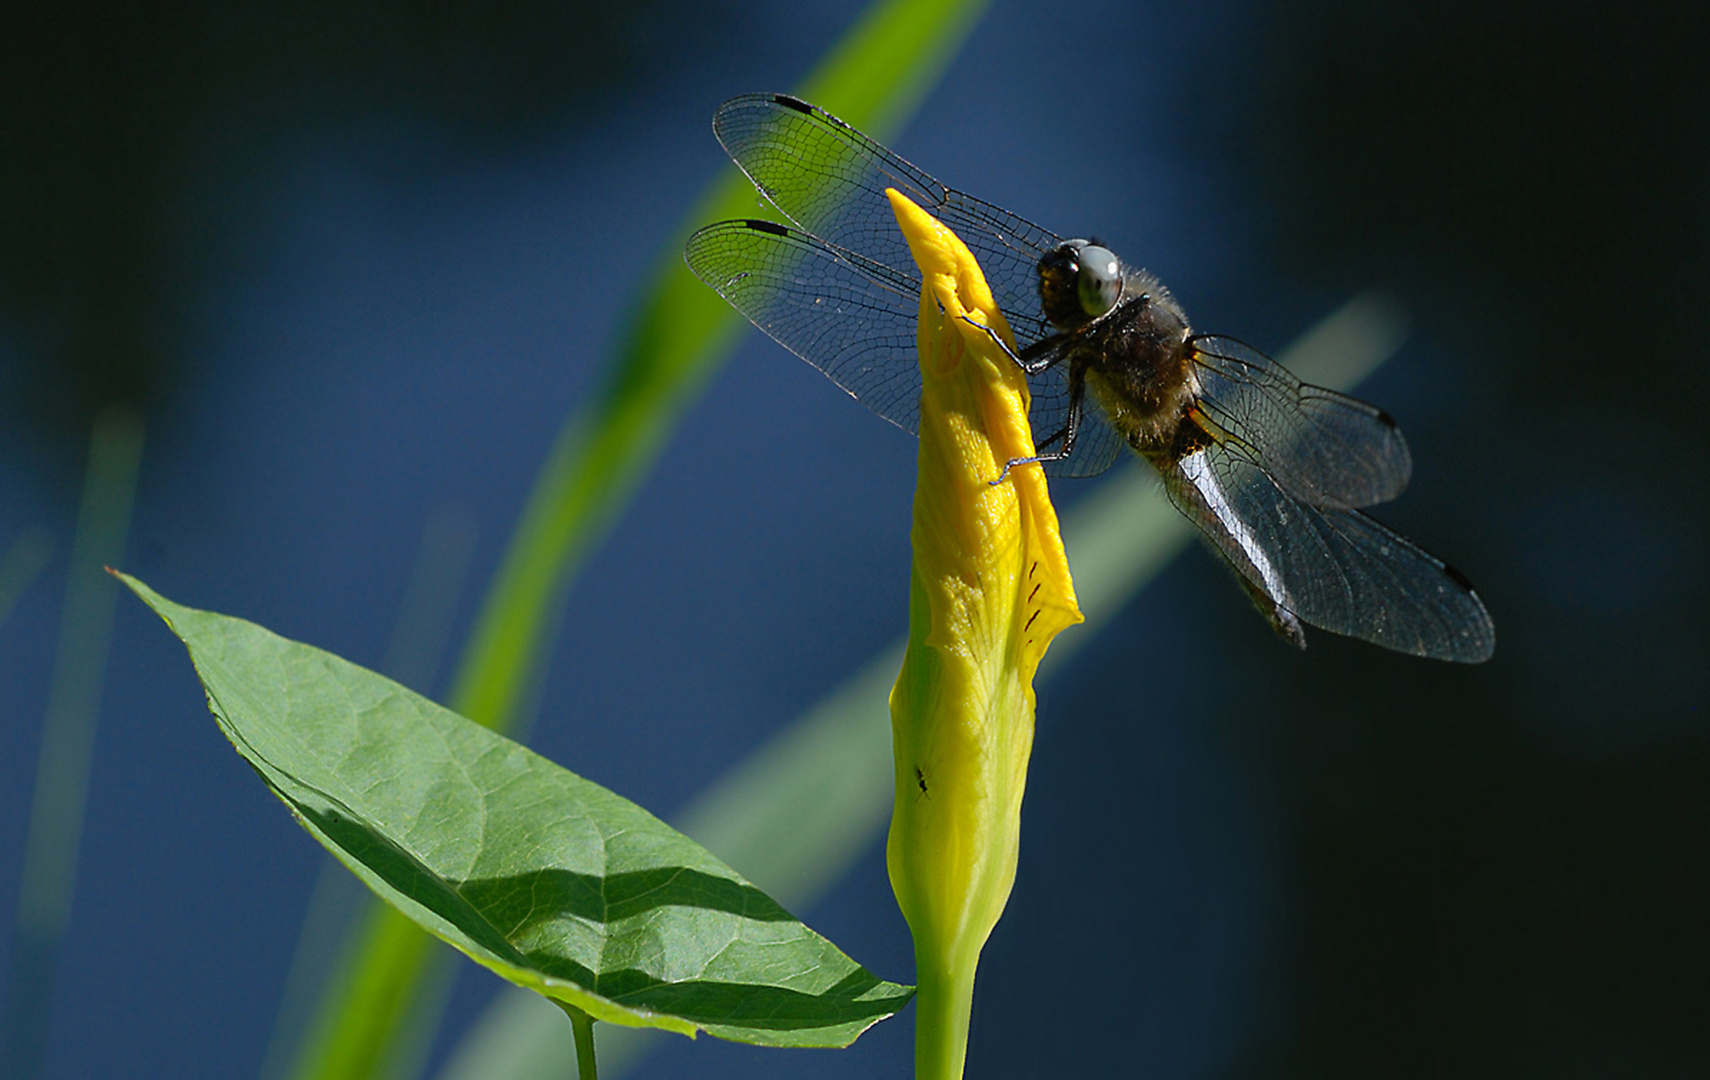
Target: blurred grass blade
{"x":329,"y":923}
{"x":544,"y":878}
{"x":68,"y":737}
{"x":874,"y":78}
{"x":439,"y":577}
{"x":25,"y":560}
{"x":675,"y":338}
{"x":798,"y":813}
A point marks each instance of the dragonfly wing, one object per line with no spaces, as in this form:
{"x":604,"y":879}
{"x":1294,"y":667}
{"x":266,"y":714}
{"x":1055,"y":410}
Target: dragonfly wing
{"x":1327,"y":449}
{"x":1333,"y":567}
{"x":850,"y":317}
{"x":854,"y":320}
{"x":830,"y":180}
{"x":847,"y":258}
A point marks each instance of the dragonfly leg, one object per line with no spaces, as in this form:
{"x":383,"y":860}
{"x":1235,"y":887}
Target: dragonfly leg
{"x":1033,"y":359}
{"x":1071,"y":428}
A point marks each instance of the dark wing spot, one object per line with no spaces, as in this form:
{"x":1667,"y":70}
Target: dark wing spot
{"x":1457,"y":577}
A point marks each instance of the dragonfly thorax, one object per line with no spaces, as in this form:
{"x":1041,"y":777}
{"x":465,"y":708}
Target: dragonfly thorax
{"x":1137,"y":360}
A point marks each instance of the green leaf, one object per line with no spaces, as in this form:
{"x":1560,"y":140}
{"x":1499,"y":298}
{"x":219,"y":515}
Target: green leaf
{"x":545,"y":878}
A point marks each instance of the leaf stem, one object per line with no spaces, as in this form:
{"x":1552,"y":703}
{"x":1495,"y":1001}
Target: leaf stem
{"x":583,"y":1026}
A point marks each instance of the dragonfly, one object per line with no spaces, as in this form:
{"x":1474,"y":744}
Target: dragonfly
{"x":1274,"y":472}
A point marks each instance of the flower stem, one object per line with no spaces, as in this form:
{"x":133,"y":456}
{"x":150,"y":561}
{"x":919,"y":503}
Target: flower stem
{"x":943,"y":1003}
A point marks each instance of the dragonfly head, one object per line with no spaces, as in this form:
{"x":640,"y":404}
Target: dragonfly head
{"x":1079,"y":280}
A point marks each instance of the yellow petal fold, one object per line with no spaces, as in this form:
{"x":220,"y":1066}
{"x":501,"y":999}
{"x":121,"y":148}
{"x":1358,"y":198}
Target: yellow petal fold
{"x":989,"y":589}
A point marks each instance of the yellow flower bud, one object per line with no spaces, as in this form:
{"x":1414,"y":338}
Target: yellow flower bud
{"x":989,"y":590}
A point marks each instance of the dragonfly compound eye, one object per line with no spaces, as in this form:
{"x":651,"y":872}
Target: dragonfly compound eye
{"x":1060,"y":272}
{"x":1100,"y":284}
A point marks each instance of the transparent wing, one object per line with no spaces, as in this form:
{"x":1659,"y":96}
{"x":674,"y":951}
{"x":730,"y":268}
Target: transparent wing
{"x":1096,"y":450}
{"x":1325,"y":449}
{"x":1097,"y":443}
{"x":854,"y":319}
{"x":830,"y":180}
{"x":850,"y":317}
{"x":1332,"y":567}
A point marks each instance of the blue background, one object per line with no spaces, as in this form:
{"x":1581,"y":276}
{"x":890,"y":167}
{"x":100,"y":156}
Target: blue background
{"x":368,"y":286}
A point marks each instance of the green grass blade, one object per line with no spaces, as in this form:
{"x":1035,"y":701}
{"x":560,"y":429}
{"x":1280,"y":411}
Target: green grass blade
{"x":68,"y":736}
{"x":676,"y":338}
{"x":25,"y":560}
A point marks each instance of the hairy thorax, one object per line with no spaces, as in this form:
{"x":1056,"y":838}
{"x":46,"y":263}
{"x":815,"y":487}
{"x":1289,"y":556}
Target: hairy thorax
{"x":1136,"y":362}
